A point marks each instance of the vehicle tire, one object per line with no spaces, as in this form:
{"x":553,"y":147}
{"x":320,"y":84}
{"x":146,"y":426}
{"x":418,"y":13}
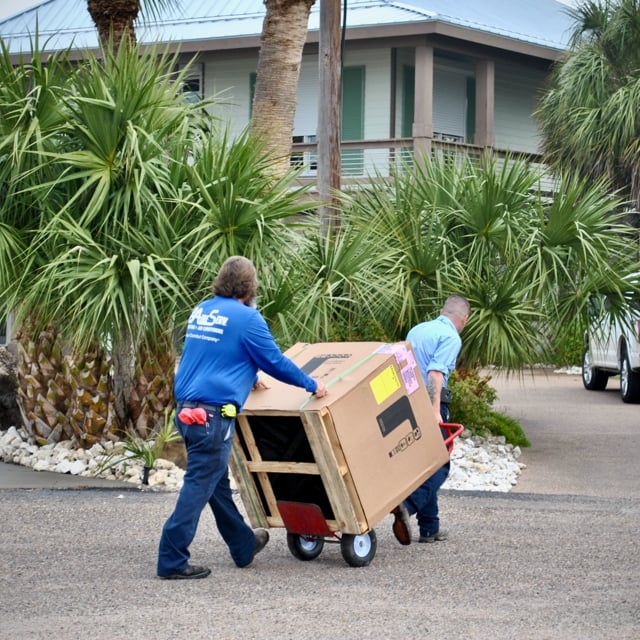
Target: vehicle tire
{"x":358,"y":551}
{"x":593,"y":379}
{"x":629,"y":380}
{"x":305,"y":547}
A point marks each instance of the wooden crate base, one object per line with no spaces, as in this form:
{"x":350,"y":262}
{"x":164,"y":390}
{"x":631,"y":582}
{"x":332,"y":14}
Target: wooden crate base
{"x":294,"y":457}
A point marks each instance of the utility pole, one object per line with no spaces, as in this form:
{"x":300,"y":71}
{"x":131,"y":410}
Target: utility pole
{"x":329,"y":164}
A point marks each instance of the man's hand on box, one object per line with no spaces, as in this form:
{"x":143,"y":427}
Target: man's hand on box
{"x":260,"y":385}
{"x":321,"y":391}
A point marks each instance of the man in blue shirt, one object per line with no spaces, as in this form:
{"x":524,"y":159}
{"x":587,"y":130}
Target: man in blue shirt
{"x":226,"y":343}
{"x":436,"y":345}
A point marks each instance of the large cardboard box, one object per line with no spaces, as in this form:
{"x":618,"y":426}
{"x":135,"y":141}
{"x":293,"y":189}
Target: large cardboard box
{"x":356,"y":453}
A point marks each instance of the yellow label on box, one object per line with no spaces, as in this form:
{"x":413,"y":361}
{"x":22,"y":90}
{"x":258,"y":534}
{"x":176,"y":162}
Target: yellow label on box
{"x":385,"y":384}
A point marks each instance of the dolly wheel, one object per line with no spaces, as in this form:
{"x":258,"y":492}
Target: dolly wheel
{"x":305,"y":547}
{"x":358,"y":551}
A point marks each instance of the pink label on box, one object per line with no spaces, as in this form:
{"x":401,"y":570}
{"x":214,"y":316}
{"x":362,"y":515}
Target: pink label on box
{"x":399,"y":351}
{"x":410,"y":378}
{"x":409,"y":357}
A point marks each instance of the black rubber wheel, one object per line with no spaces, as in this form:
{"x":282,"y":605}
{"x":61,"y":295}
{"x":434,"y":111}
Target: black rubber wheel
{"x":629,"y":380}
{"x":305,"y":547}
{"x":358,"y":551}
{"x":593,"y":379}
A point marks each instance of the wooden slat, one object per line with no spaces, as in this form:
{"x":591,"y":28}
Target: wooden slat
{"x":247,"y":437}
{"x":307,"y":468}
{"x":269,"y":496}
{"x":277,"y":522}
{"x":341,"y":463}
{"x":246,"y":486}
{"x":268,"y":412}
{"x":349,"y":520}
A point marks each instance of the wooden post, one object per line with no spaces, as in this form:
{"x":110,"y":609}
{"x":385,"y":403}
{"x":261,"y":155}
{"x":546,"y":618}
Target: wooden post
{"x":485,"y":109}
{"x":423,"y":104}
{"x":328,"y":134}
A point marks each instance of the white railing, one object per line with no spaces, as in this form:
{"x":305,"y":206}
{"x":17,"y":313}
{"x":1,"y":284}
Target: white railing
{"x":362,"y":160}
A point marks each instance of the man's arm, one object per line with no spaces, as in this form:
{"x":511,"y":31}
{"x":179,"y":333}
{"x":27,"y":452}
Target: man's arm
{"x":435,"y":380}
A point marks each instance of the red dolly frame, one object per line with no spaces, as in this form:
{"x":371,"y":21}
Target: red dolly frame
{"x":307,"y":529}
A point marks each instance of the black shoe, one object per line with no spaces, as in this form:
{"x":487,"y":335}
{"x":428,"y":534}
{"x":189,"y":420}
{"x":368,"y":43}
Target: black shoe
{"x":262,"y":537}
{"x":192,"y":572}
{"x":402,"y":525}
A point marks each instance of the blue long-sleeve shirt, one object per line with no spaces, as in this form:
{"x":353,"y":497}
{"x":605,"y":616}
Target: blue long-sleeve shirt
{"x":225,"y":346}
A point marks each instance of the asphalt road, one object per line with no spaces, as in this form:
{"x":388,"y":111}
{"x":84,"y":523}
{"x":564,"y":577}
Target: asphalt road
{"x":557,"y":558}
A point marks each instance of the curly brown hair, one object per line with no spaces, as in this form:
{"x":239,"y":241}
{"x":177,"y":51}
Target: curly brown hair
{"x":237,"y":278}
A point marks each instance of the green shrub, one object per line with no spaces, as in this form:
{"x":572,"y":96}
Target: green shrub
{"x":566,"y":350}
{"x":501,"y":425}
{"x":472,"y":403}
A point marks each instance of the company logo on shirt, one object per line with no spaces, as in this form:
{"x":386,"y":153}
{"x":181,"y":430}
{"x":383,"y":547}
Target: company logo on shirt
{"x":201,"y":323}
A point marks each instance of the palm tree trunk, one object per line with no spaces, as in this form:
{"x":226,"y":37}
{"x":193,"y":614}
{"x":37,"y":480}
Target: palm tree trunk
{"x":123,"y":362}
{"x":114,"y":20}
{"x":284,"y":33}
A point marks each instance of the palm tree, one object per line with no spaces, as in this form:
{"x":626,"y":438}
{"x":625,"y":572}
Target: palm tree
{"x":589,"y":113}
{"x":139,"y":200}
{"x":96,"y":271}
{"x":527,"y":264}
{"x":284,"y":33}
{"x":115,"y":19}
{"x":32,"y":107}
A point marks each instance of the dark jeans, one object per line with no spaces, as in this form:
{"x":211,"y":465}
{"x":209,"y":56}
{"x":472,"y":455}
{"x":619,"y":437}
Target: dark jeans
{"x":424,"y":500}
{"x":206,"y":481}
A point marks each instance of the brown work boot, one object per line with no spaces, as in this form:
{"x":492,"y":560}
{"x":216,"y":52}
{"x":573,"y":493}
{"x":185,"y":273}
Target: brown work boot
{"x":402,"y":524}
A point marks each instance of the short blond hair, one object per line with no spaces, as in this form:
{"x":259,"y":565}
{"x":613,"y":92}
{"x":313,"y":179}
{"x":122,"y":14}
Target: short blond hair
{"x":456,"y":305}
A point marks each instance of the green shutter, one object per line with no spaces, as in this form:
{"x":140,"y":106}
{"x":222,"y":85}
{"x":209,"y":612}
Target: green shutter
{"x":471,"y":111}
{"x":353,"y":118}
{"x":408,"y":100}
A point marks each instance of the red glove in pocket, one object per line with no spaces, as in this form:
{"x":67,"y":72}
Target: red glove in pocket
{"x":196,"y":415}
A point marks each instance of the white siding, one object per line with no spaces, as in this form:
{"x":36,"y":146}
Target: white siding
{"x":230,"y":81}
{"x":449,"y":103}
{"x":306,"y":119}
{"x":516,"y":91}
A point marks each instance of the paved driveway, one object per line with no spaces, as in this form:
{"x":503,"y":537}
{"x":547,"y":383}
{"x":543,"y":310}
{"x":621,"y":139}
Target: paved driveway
{"x":584,"y":443}
{"x":555,"y":559}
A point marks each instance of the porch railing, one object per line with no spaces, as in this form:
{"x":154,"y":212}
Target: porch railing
{"x":365,"y":160}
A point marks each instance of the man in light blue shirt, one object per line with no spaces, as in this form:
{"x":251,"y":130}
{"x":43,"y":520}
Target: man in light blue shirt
{"x":436,"y":345}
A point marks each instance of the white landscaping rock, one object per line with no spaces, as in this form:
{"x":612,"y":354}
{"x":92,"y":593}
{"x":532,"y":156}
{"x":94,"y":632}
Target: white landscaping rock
{"x":477,"y":464}
{"x":483,"y":464}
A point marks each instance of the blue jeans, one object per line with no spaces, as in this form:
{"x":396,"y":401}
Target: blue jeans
{"x":206,"y":481}
{"x":424,"y":500}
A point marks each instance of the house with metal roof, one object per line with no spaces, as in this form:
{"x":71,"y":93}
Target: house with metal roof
{"x":427,"y":74}
{"x":443,"y":76}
